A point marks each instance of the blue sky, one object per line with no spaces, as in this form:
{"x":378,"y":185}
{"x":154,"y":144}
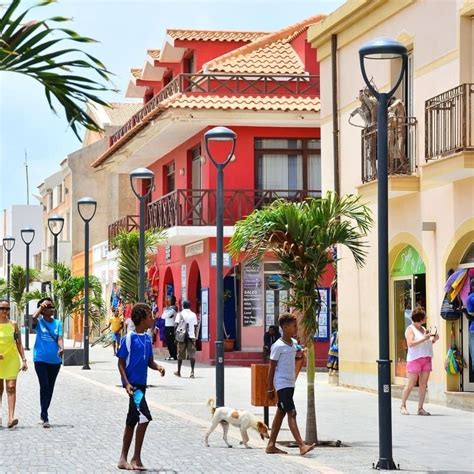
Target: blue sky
{"x":125,"y":29}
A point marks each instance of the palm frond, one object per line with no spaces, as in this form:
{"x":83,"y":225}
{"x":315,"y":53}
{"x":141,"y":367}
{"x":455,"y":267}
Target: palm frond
{"x":34,"y":49}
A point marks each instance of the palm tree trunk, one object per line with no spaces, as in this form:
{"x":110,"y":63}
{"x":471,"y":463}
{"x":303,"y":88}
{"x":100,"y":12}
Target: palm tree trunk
{"x":311,"y":435}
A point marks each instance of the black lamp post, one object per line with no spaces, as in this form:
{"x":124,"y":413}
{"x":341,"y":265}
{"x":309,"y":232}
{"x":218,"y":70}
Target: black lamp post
{"x":383,"y":49}
{"x":8,"y":244}
{"x":55,"y":226}
{"x":221,"y":134}
{"x":86,"y":207}
{"x":141,"y":181}
{"x":27,"y":235}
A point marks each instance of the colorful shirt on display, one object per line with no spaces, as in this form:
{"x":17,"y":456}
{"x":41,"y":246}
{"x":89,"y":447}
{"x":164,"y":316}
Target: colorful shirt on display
{"x":136,"y":350}
{"x":46,"y":344}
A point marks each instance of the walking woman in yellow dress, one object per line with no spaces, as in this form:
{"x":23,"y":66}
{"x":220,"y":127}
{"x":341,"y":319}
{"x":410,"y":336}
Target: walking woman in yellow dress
{"x":10,"y":349}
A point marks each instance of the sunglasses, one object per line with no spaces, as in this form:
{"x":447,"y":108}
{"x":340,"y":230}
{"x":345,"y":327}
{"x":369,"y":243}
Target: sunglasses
{"x":49,"y":307}
{"x":4,"y":308}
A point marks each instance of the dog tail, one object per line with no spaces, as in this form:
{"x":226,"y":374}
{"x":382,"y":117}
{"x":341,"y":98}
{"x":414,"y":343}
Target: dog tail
{"x":211,"y":405}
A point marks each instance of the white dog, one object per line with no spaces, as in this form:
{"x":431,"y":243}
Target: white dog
{"x":239,"y":418}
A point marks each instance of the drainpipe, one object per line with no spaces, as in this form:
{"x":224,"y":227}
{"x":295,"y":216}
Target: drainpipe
{"x":335,"y":114}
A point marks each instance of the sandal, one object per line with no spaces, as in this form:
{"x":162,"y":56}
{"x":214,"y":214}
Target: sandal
{"x":13,"y":423}
{"x":423,"y":412}
{"x":404,"y":411}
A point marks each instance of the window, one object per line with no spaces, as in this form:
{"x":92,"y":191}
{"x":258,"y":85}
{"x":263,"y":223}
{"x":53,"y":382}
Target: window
{"x":50,"y":201}
{"x":60,"y":193}
{"x":189,"y":65}
{"x":170,"y":181}
{"x":288,"y":164}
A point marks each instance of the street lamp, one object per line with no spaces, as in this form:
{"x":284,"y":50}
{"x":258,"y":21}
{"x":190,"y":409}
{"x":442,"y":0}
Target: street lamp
{"x":383,"y":49}
{"x":86,"y":207}
{"x":27,"y":235}
{"x":141,"y":181}
{"x":221,"y":134}
{"x":8,"y":244}
{"x":55,"y":226}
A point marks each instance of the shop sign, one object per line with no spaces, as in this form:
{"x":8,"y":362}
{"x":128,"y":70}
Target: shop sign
{"x":225,"y":257}
{"x":205,"y":314}
{"x":252,"y":294}
{"x":168,"y":253}
{"x":184,"y":290}
{"x":196,"y":248}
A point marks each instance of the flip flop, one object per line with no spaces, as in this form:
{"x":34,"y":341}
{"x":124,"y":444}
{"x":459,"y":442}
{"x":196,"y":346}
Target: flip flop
{"x":177,"y":374}
{"x":13,"y":423}
{"x":423,"y":412}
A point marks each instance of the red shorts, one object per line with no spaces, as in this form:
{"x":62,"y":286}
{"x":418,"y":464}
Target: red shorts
{"x":417,"y":366}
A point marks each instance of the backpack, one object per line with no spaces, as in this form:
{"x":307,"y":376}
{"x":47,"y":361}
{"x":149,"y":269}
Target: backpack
{"x":450,"y":310}
{"x":181,"y":330}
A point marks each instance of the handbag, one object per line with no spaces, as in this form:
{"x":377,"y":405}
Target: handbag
{"x":450,"y":310}
{"x":454,"y":362}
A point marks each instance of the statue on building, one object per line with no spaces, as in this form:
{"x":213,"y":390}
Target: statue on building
{"x":397,"y":137}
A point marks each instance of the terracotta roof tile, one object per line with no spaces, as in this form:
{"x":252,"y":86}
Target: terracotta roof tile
{"x":290,"y":103}
{"x":266,"y":50}
{"x":154,"y":53}
{"x":208,"y":35}
{"x":120,"y":112}
{"x":136,"y":72}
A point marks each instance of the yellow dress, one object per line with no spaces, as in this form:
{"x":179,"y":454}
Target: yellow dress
{"x":10,"y":363}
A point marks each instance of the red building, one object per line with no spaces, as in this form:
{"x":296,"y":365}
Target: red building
{"x":265,"y":87}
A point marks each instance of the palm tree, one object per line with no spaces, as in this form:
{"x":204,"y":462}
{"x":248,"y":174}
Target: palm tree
{"x":18,"y":287}
{"x":3,"y":288}
{"x":303,"y":237}
{"x":128,"y":259}
{"x":33,"y":49}
{"x":67,"y":291}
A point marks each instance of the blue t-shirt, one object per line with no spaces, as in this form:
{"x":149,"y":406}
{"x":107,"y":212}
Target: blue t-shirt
{"x":46,"y":345}
{"x":137,"y":357}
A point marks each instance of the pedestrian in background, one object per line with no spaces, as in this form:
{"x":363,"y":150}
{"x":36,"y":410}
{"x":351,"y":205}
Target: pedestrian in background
{"x":135,"y":357}
{"x":169,"y":316}
{"x":420,"y":353}
{"x":47,"y":353}
{"x":116,"y":324}
{"x":115,"y":297}
{"x":269,"y":338}
{"x":185,"y":326}
{"x":11,"y":350}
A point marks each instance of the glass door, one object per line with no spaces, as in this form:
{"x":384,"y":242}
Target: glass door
{"x":403,"y":306}
{"x":468,"y":353}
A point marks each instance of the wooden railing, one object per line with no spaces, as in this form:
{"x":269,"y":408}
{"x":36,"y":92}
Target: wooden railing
{"x":127,"y":223}
{"x":449,"y":122}
{"x":402,"y":149}
{"x":225,"y":84}
{"x":197,"y":207}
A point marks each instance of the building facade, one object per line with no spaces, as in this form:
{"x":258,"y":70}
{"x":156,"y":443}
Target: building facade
{"x":265,"y":87}
{"x":431,"y":179}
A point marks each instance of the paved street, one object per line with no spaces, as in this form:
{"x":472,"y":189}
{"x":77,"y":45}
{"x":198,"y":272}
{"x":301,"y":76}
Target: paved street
{"x":89,"y":409}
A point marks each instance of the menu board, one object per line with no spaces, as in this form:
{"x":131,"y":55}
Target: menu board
{"x":252,"y":298}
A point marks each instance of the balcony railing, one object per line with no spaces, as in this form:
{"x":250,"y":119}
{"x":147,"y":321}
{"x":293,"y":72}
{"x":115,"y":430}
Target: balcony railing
{"x":401,"y":148}
{"x":449,"y":124}
{"x":197,"y":207}
{"x":127,"y":223}
{"x":225,"y":84}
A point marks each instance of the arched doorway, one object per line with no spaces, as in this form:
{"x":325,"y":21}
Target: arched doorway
{"x":408,"y":281}
{"x":168,"y":285}
{"x":194,"y":296}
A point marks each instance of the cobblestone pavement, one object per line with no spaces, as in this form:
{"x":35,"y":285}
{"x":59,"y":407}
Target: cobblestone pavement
{"x":89,"y":408}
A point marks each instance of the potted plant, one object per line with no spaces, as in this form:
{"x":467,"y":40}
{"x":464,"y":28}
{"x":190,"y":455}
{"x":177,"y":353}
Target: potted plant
{"x":228,"y":342}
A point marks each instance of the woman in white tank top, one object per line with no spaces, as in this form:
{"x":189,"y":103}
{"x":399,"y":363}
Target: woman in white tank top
{"x":420,"y":352}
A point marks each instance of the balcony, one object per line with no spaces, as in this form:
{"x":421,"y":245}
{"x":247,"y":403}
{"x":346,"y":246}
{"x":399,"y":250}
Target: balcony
{"x":223,"y":84}
{"x":197,"y":208}
{"x":127,"y":223}
{"x":401,"y":149}
{"x":449,"y":126}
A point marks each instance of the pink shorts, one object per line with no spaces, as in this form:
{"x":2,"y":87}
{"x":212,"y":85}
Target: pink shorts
{"x":417,"y":366}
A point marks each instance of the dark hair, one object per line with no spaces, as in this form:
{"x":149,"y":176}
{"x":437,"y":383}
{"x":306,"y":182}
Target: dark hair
{"x":418,"y":314}
{"x":285,"y":319}
{"x":46,"y":298}
{"x":140,"y":312}
{"x":186,"y":304}
{"x":172,"y":299}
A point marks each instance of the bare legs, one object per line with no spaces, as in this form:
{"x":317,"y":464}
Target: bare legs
{"x":424,"y":376}
{"x":11,"y":394}
{"x":135,"y":462}
{"x":276,"y":425}
{"x":422,"y":379}
{"x":411,"y":382}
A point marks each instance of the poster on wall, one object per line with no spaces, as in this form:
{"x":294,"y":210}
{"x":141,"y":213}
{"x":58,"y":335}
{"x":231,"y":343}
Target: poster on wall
{"x":324,"y":320}
{"x":252,"y":297}
{"x":205,"y":314}
{"x":270,"y":308}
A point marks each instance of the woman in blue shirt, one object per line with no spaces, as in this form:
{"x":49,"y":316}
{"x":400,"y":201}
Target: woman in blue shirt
{"x":47,"y":353}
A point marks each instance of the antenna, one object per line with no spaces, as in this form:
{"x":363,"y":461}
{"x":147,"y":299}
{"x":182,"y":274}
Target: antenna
{"x":27,"y":180}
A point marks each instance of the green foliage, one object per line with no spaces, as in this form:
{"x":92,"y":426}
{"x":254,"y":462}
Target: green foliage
{"x":68,"y":294}
{"x":18,"y":286}
{"x":3,"y":288}
{"x":128,"y":259}
{"x":33,"y":49}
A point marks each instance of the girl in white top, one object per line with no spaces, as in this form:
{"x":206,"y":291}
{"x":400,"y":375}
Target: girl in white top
{"x":420,"y":352}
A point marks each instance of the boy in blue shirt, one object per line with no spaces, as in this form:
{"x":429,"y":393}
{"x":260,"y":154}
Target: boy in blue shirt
{"x":135,"y":357}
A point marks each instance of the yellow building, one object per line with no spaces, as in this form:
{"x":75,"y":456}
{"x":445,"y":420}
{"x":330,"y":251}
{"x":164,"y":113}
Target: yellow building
{"x":431,"y":182}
